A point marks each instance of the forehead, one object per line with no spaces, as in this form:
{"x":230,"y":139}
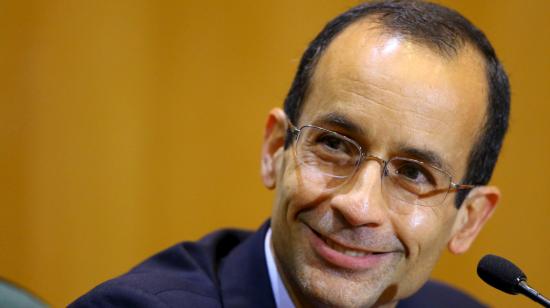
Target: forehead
{"x":401,"y":93}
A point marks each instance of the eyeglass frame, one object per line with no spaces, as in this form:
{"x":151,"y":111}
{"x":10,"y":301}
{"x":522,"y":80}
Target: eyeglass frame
{"x":453,"y":187}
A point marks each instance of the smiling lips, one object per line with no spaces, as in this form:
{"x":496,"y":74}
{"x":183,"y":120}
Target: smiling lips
{"x":344,"y":256}
{"x":347,"y":251}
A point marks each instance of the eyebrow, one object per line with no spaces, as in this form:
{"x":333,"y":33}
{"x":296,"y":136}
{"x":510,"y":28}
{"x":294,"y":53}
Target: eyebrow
{"x":335,"y":119}
{"x":426,"y":156}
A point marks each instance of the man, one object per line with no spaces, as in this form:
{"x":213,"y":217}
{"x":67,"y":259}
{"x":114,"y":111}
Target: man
{"x":380,"y":161}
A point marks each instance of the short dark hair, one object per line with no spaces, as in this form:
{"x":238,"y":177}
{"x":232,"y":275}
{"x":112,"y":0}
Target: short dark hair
{"x":444,"y":31}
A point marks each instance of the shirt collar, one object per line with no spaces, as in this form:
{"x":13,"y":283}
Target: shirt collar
{"x":282,"y":299}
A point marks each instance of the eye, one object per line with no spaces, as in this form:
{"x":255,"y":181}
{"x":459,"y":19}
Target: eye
{"x":409,"y":170}
{"x":414,"y":172}
{"x":333,"y":143}
{"x":323,"y":147}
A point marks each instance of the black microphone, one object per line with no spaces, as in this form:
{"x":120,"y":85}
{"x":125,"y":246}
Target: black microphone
{"x":505,"y":276}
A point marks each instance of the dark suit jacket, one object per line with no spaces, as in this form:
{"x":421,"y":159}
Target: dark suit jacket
{"x":226,"y":268}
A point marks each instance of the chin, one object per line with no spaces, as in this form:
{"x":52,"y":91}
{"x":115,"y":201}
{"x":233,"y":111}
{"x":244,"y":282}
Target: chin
{"x":332,"y":288}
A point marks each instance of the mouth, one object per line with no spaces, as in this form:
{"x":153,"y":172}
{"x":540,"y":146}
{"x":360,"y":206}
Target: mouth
{"x":344,"y":250}
{"x":344,"y":256}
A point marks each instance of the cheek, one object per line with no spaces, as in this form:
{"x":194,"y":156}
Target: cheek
{"x":300,"y":191}
{"x":424,"y":231}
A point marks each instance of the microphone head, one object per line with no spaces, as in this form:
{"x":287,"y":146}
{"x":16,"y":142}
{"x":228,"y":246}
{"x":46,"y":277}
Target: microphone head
{"x":500,"y":273}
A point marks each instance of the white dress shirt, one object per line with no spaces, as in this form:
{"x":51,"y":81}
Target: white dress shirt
{"x":282,"y":299}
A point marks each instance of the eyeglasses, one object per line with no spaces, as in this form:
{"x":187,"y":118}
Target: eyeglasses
{"x":330,"y":158}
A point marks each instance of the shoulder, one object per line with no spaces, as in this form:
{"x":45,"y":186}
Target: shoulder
{"x":438,"y":294}
{"x":183,"y":274}
{"x":139,"y":290}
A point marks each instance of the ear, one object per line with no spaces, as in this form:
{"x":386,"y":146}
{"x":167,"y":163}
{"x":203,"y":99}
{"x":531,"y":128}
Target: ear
{"x":273,"y":145}
{"x":474,"y":212}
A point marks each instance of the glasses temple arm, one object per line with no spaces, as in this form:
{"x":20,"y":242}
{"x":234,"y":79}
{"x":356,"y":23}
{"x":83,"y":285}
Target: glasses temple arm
{"x":455,"y":186}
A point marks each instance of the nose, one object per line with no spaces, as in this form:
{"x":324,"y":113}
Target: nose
{"x":360,"y":200}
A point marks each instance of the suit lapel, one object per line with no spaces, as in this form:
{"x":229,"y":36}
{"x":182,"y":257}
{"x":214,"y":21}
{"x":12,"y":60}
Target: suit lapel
{"x":243,"y":274}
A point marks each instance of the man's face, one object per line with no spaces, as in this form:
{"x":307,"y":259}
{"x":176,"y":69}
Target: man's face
{"x":354,"y":245}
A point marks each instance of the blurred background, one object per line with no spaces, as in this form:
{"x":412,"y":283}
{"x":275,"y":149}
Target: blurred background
{"x":128,"y":126}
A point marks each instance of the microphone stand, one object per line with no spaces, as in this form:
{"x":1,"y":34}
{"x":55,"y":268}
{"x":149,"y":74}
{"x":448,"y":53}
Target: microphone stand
{"x":526,"y":290}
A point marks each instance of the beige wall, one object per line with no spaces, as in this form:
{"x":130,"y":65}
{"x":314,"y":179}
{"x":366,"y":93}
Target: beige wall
{"x":126,"y":126}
